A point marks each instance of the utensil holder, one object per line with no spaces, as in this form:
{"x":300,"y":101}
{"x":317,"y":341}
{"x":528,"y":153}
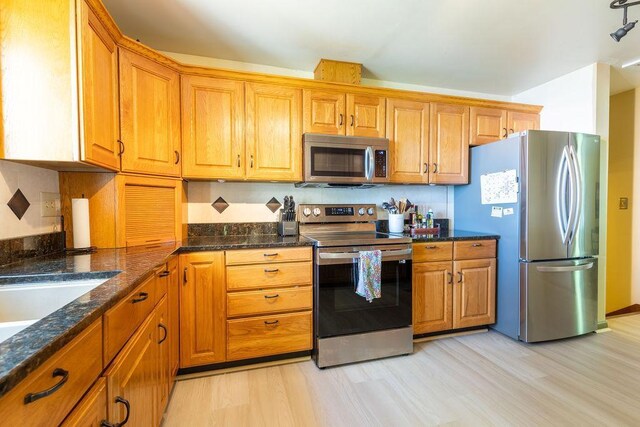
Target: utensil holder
{"x":396,"y":223}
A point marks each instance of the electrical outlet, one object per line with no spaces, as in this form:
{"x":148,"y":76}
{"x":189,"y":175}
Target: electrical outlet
{"x":49,"y":204}
{"x":623,"y":203}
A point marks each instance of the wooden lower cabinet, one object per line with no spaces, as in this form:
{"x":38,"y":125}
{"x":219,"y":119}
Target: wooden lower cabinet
{"x":173,"y":293}
{"x":432,"y":297}
{"x":164,"y":378}
{"x":474,"y":293}
{"x":202,"y":309}
{"x":92,"y":409}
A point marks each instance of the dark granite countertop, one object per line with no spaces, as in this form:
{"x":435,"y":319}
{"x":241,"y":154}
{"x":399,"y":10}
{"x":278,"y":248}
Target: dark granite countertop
{"x":452,"y":235}
{"x":213,"y":243}
{"x":124,"y":269}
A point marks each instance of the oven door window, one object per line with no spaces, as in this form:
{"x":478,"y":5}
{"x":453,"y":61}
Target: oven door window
{"x":337,"y":162}
{"x":340,"y":311}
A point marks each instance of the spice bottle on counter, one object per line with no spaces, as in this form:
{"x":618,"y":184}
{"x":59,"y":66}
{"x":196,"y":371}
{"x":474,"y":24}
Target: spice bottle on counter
{"x":430,"y":218}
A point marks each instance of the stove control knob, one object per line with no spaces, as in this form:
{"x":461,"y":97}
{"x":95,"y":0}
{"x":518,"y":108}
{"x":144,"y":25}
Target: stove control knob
{"x":316,"y":211}
{"x":361,"y":211}
{"x":370,"y":211}
{"x":306,"y":212}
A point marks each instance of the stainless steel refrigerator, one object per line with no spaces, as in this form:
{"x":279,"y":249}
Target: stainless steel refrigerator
{"x":539,"y":190}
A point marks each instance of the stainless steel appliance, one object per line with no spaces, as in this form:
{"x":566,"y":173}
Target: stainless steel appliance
{"x":347,"y":328}
{"x":333,"y":160}
{"x":548,"y":250}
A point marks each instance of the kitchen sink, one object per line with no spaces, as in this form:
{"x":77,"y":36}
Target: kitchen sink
{"x":23,"y":304}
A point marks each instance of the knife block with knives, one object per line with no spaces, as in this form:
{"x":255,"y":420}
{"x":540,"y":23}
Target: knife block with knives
{"x":287,"y":224}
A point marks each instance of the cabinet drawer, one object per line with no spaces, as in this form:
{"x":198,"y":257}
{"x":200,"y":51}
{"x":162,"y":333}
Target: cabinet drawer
{"x":92,"y":409}
{"x":268,"y":255}
{"x":268,"y":335}
{"x":80,"y":362}
{"x":474,"y":249}
{"x":251,"y":303}
{"x":124,"y":318}
{"x":433,"y":251}
{"x":269,"y":275}
{"x":162,"y":282}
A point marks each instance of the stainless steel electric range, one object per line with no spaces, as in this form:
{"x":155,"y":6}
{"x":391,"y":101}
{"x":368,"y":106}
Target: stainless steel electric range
{"x":347,"y":328}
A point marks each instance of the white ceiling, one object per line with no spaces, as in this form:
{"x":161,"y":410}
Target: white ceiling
{"x":501,"y":47}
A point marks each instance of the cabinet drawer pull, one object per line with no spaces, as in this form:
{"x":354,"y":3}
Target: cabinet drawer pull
{"x":125,"y":402}
{"x":273,"y":254}
{"x":177,"y":157}
{"x":275,"y":322}
{"x":460,"y":277}
{"x":271,"y":296}
{"x":58,"y":372}
{"x":275,"y":270}
{"x":431,"y":247}
{"x":142,"y":296}
{"x":164,"y":274}
{"x":166,"y":333}
{"x":184,"y":275}
{"x":476,"y":245}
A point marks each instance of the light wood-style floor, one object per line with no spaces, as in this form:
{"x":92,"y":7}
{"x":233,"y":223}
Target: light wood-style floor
{"x":483,"y":379}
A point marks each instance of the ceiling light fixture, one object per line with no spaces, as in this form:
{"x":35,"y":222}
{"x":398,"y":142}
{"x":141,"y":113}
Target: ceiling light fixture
{"x":626,"y":26}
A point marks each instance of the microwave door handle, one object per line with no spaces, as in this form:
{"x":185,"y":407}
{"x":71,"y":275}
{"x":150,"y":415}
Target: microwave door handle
{"x":369,"y":162}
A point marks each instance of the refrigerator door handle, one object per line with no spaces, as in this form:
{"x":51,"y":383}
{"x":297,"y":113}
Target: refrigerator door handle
{"x":564,"y":269}
{"x":564,"y":173}
{"x":578,"y":193}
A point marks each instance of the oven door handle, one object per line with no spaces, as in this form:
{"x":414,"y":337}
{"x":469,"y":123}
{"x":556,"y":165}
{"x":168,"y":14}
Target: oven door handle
{"x":352,"y":255}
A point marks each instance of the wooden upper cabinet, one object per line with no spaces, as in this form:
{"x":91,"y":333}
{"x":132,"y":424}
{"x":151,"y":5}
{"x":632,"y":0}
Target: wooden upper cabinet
{"x":449,"y":144}
{"x":408,"y":134}
{"x":150,"y":116}
{"x":273,"y":132}
{"x":212,"y":128}
{"x":365,"y":116}
{"x":99,"y":76}
{"x":432,"y":297}
{"x":474,"y":299}
{"x":323,"y":112}
{"x":518,"y":122}
{"x":487,"y":125}
{"x":202,"y":309}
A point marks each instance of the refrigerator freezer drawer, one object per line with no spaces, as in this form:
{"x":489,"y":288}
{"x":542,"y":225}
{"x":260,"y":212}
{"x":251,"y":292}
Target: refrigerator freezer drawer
{"x":558,"y":299}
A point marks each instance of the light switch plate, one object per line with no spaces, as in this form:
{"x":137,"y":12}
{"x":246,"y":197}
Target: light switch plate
{"x":49,"y":204}
{"x":623,"y":203}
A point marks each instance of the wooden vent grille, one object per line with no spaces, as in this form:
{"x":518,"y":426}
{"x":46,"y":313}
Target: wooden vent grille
{"x":150,"y":214}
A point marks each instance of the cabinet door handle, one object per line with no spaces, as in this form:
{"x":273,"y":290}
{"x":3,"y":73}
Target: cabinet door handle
{"x":58,"y":372}
{"x":164,"y":274}
{"x":341,"y":120}
{"x":121,"y":151}
{"x":271,"y":296}
{"x":511,"y":131}
{"x":177,"y":157}
{"x":251,"y":161}
{"x":275,"y":322}
{"x":269,"y":255}
{"x":125,"y":402}
{"x":476,"y":245}
{"x":435,"y":168}
{"x":184,"y":275}
{"x":426,"y":168}
{"x":238,"y":160}
{"x":166,"y":333}
{"x":275,"y":270}
{"x":460,"y":277}
{"x":505,"y":132}
{"x":353,"y":120}
{"x":142,"y":296}
{"x":450,"y":282}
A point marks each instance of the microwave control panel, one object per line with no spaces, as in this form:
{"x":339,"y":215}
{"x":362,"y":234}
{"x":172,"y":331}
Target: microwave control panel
{"x":381,"y":163}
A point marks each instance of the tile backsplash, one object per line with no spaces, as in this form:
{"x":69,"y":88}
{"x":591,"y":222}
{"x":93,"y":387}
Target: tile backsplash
{"x":247,"y":202}
{"x":31,"y":181}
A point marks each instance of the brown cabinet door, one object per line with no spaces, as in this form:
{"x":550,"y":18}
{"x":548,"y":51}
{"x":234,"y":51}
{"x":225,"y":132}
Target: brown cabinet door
{"x":518,"y":122}
{"x":92,"y":409}
{"x":174,"y":315}
{"x":202,"y":309}
{"x":99,"y":76}
{"x":323,"y":112}
{"x":150,"y":116}
{"x":474,"y":295}
{"x":212,"y":128}
{"x":365,"y":116}
{"x":487,"y":125}
{"x":449,"y":144}
{"x":408,"y":134}
{"x":164,"y":368}
{"x":132,"y":378}
{"x":273,"y":132}
{"x":432,"y":296}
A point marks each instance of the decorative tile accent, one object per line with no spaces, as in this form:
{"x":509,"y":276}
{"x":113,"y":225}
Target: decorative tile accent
{"x":220,"y":204}
{"x":273,"y":204}
{"x":19,"y":204}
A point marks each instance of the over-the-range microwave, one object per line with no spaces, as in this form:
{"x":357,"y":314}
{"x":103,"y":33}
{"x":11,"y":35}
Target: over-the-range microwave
{"x":334,"y":160}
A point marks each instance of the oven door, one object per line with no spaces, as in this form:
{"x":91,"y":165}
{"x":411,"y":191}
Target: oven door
{"x":340,"y":311}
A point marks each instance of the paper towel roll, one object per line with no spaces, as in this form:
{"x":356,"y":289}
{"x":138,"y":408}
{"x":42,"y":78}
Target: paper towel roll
{"x":80,"y":218}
